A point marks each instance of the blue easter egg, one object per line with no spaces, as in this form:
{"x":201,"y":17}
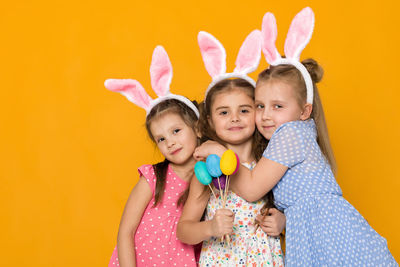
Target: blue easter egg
{"x":200,"y":170}
{"x":213,"y":167}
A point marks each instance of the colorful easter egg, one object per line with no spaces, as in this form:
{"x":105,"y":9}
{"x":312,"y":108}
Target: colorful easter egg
{"x":237,"y":164}
{"x":222,"y":182}
{"x":200,"y":170}
{"x":213,"y":167}
{"x":228,"y":162}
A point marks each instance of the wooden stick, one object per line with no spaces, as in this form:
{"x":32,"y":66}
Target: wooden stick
{"x":220,"y":194}
{"x":224,"y":201}
{"x":228,"y":239}
{"x":212,"y":191}
{"x":219,"y":188}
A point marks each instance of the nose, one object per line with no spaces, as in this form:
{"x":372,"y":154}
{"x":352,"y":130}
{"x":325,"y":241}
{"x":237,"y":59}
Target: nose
{"x":266,"y":114}
{"x":170,"y":142}
{"x":234,"y":117}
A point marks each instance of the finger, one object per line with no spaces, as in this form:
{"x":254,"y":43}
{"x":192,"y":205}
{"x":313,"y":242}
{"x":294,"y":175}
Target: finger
{"x":272,"y":211}
{"x":268,"y":220}
{"x":227,"y":212}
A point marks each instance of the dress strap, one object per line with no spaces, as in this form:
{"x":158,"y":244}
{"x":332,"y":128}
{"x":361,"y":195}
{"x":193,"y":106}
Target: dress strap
{"x":249,"y":166}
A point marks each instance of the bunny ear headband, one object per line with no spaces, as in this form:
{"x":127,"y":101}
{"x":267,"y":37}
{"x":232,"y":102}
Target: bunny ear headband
{"x":161,"y":75}
{"x":214,"y":57}
{"x":299,"y":35}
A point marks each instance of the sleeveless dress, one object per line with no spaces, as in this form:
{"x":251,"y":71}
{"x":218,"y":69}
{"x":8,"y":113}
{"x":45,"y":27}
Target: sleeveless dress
{"x":322,"y":228}
{"x":247,"y":246}
{"x":156,"y":243}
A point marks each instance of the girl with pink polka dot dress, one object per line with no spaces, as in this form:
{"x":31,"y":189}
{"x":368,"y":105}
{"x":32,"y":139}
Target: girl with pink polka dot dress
{"x":147,"y":231}
{"x":227,"y":116}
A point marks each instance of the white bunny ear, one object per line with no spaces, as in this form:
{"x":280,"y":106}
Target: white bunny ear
{"x":213,"y":53}
{"x":249,"y":54}
{"x":131,"y":89}
{"x":269,"y":33}
{"x":160,"y":71}
{"x":299,"y":34}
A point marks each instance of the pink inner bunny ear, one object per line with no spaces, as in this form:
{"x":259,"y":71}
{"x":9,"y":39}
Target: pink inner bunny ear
{"x":131,"y":89}
{"x":269,"y":33}
{"x":249,"y":54}
{"x":160,"y":71}
{"x":213,"y":54}
{"x":299,"y":34}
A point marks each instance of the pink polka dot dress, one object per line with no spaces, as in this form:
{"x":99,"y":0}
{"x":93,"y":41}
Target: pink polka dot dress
{"x":156,"y":243}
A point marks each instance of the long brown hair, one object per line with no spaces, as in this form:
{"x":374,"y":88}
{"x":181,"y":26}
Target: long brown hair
{"x":292,"y":76}
{"x":160,"y":169}
{"x":259,"y":143}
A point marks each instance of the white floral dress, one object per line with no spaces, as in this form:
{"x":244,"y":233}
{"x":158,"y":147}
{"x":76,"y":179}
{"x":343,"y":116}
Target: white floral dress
{"x":247,"y":247}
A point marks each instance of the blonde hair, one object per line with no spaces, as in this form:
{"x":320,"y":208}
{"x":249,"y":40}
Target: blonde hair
{"x":292,"y":76}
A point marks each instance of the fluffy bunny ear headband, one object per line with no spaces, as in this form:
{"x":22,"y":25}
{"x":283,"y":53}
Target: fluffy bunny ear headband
{"x":299,"y":35}
{"x":161,"y":75}
{"x":214,"y":57}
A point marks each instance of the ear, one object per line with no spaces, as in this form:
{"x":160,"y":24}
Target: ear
{"x":299,"y":34}
{"x":131,"y":89}
{"x":269,"y":33}
{"x":213,"y":53}
{"x":249,"y":54}
{"x":160,"y":71}
{"x":307,"y":109}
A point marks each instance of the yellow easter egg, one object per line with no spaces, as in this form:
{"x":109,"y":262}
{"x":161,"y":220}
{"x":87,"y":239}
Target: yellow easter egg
{"x":228,"y":162}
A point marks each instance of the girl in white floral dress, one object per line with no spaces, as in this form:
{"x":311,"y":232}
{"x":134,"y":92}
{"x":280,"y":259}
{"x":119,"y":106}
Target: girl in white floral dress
{"x":249,"y":245}
{"x":231,"y":108}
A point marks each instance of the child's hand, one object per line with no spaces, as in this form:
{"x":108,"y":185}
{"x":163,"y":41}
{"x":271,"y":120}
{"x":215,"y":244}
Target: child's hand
{"x":222,"y":222}
{"x":273,"y":223}
{"x":208,"y":148}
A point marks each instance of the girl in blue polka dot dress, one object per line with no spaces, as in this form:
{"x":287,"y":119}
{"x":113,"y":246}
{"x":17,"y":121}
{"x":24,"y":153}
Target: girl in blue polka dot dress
{"x":322,"y":228}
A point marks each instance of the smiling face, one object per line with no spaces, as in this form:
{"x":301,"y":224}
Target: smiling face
{"x":175,"y":139}
{"x":276,"y":103}
{"x":232,"y":116}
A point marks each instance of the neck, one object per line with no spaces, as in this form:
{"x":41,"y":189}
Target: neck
{"x":243,"y":150}
{"x":185,"y":170}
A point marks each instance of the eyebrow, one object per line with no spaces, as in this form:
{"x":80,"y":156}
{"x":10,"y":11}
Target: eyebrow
{"x":241,"y":106}
{"x":278,"y":101}
{"x":249,"y":106}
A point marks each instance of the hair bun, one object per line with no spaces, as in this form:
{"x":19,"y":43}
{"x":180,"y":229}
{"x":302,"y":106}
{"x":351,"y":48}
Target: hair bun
{"x":315,"y":70}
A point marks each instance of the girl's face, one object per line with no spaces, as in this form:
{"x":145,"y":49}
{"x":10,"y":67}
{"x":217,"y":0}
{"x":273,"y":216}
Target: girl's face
{"x":276,"y":103}
{"x":232,"y":116}
{"x":175,"y":139}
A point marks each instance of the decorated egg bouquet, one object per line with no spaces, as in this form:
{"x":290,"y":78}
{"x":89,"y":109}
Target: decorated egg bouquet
{"x":216,"y":170}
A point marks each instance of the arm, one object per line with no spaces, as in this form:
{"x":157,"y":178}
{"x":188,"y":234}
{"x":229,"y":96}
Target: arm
{"x":273,"y":223}
{"x":137,"y":202}
{"x":208,"y":148}
{"x":190,"y":229}
{"x":253,"y":185}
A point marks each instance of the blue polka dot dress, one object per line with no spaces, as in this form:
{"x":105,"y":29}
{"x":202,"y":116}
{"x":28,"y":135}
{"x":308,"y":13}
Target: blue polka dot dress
{"x":322,"y":228}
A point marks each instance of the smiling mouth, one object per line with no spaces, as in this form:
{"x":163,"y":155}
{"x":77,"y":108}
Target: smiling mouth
{"x":235,"y":128}
{"x":267,"y":127}
{"x":176,"y":151}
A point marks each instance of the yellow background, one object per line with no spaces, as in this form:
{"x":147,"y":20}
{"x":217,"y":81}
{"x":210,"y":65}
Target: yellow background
{"x":70,"y":148}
